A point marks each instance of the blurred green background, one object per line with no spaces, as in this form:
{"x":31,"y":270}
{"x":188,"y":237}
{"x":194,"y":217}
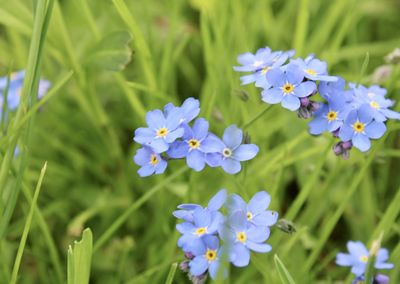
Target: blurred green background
{"x":129,"y":57}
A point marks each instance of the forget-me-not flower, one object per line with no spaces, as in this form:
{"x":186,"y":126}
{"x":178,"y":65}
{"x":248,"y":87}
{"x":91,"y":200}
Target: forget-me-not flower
{"x":359,"y":127}
{"x":287,"y":87}
{"x":189,"y":109}
{"x":329,"y":117}
{"x":149,"y":161}
{"x":243,"y":238}
{"x":314,"y":69}
{"x":374,"y":98}
{"x":230,"y":151}
{"x":260,"y":63}
{"x":204,"y":223}
{"x":161,"y":131}
{"x":185,"y":211}
{"x":207,"y":256}
{"x":193,"y":146}
{"x":256,"y":210}
{"x":358,"y":256}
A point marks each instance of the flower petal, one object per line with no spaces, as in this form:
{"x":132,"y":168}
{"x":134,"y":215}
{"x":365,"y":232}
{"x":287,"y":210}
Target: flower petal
{"x":241,"y":255}
{"x":290,"y":102}
{"x":146,"y":170}
{"x":155,"y":119}
{"x":361,"y":142}
{"x":231,"y":166}
{"x":245,"y":152}
{"x":196,"y":160}
{"x":200,"y":128}
{"x":258,"y":234}
{"x":198,"y":265}
{"x":267,"y":218}
{"x":272,"y":96}
{"x":257,"y":247}
{"x":217,"y":200}
{"x":259,"y":202}
{"x":344,"y":259}
{"x":144,"y":135}
{"x":305,"y":89}
{"x":232,"y":136}
{"x":375,"y":130}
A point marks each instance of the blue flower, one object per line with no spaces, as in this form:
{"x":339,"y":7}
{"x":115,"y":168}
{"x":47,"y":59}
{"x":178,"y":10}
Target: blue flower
{"x":15,"y":88}
{"x":230,"y":151}
{"x":256,"y":210}
{"x":243,"y":238}
{"x":205,"y":222}
{"x":357,"y":259}
{"x":314,"y":69}
{"x":161,"y":131}
{"x":287,"y":87}
{"x":190,"y":109}
{"x":263,"y":61}
{"x":359,"y":127}
{"x":332,"y":91}
{"x":207,"y":256}
{"x":374,"y":98}
{"x":194,"y":145}
{"x":329,"y":117}
{"x":149,"y":161}
{"x":185,"y":211}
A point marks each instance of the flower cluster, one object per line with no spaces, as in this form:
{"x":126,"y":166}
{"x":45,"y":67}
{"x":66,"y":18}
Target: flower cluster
{"x":168,"y":135}
{"x":208,"y":235}
{"x":355,"y":114}
{"x":357,"y":259}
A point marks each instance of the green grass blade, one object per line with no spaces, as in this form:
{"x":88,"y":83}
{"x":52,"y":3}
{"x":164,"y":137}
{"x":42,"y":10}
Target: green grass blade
{"x":171,"y":273}
{"x":27,"y":226}
{"x":284,"y":274}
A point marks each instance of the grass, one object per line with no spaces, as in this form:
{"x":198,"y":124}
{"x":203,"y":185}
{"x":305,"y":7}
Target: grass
{"x":84,"y":128}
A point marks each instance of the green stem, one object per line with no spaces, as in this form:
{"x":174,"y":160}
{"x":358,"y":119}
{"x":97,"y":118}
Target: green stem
{"x":121,"y":219}
{"x":254,"y":119}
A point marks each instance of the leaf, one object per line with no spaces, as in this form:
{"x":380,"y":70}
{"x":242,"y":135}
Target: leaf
{"x":171,"y":273}
{"x":284,"y":274}
{"x":79,"y":259}
{"x":112,"y":52}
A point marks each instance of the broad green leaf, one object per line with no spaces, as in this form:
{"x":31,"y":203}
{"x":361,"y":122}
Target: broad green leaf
{"x":112,"y":52}
{"x":284,"y":274}
{"x":79,"y":259}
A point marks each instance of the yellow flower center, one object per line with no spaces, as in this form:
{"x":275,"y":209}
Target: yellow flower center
{"x":249,"y":216}
{"x":153,"y":160}
{"x":310,"y":72}
{"x":264,"y":70}
{"x":358,"y":127}
{"x":288,"y":88}
{"x":194,"y":144}
{"x":374,"y":104}
{"x":211,"y":255}
{"x":332,"y":115}
{"x":162,"y":132}
{"x":227,"y":152}
{"x":200,"y":231}
{"x":241,"y":237}
{"x":364,"y":258}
